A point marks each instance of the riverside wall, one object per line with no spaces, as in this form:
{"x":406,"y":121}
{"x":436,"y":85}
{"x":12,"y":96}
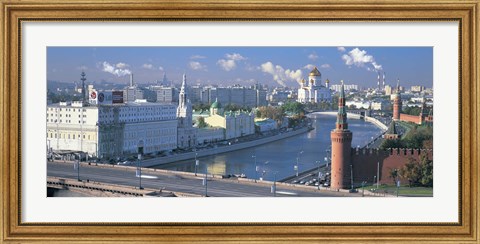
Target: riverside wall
{"x":372,"y":120}
{"x":221,"y":149}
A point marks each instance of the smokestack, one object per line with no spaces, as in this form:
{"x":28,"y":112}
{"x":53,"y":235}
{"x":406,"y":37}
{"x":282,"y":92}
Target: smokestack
{"x":378,"y":81}
{"x":131,"y":79}
{"x":383,"y":80}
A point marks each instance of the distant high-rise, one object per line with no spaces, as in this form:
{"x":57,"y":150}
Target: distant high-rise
{"x":84,"y":94}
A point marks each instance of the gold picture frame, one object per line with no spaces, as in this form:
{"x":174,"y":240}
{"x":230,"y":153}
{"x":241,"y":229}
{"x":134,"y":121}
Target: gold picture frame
{"x":16,"y":12}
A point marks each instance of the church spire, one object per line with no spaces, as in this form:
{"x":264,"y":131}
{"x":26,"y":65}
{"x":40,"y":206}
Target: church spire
{"x":183,"y":92}
{"x":342,"y":113}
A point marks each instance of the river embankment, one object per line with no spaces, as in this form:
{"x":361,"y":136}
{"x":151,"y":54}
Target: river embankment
{"x":221,"y":148}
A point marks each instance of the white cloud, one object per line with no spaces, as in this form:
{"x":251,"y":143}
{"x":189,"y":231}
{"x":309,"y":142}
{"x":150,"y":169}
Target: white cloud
{"x":280,"y":75}
{"x":197,"y":66}
{"x":230,"y":62}
{"x":227,"y":64}
{"x":161,"y":68}
{"x":341,"y":49}
{"x":250,"y":81}
{"x":309,"y":66}
{"x":121,"y":65}
{"x":114,"y":70}
{"x":197,"y":57}
{"x":147,"y":66}
{"x":235,"y":56}
{"x":360,"y":58}
{"x":83,"y":67}
{"x":325,"y":66}
{"x":313,"y":56}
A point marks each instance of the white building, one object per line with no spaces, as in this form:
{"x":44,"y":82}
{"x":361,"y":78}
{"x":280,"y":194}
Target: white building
{"x":346,"y":87}
{"x":314,"y":91}
{"x":186,"y":133}
{"x":113,"y":129}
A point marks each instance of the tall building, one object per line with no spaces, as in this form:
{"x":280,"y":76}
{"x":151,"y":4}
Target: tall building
{"x":341,"y":138}
{"x":186,"y":133}
{"x":397,"y":102}
{"x":165,"y":94}
{"x":111,"y":130}
{"x":132,"y":92}
{"x":314,"y":91}
{"x":388,"y":90}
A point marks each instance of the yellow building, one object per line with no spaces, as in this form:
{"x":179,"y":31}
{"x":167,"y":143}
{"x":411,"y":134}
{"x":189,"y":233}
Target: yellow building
{"x":236,"y":124}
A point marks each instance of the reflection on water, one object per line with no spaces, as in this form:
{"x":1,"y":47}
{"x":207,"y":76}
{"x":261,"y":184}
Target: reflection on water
{"x":280,"y":156}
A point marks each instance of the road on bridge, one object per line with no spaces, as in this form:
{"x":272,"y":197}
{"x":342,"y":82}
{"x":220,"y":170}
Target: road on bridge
{"x":178,"y":182}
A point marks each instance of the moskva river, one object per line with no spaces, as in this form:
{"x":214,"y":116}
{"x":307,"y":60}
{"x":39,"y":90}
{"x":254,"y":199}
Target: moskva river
{"x":280,"y":157}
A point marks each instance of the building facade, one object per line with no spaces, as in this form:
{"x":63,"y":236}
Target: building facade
{"x":236,"y":124}
{"x":112,"y":130}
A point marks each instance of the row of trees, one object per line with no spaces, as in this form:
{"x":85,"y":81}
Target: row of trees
{"x":418,"y":173}
{"x":417,"y":137}
{"x":412,"y":110}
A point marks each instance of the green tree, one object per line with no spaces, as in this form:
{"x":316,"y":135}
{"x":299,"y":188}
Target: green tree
{"x":201,"y":122}
{"x":294,"y":107}
{"x":418,"y":173}
{"x":394,"y":175}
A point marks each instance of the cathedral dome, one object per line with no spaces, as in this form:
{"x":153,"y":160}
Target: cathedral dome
{"x":315,"y":72}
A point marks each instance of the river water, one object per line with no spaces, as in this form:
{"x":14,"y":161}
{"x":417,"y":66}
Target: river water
{"x":280,"y":156}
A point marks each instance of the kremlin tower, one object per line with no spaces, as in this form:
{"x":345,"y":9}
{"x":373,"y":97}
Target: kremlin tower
{"x":341,"y":147}
{"x":397,"y":103}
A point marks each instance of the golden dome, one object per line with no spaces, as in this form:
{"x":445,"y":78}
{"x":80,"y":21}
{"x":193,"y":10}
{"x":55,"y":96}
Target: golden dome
{"x":315,"y":72}
{"x":327,"y":81}
{"x":303,"y":81}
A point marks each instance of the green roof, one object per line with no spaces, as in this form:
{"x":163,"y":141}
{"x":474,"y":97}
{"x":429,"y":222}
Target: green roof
{"x":216,"y":104}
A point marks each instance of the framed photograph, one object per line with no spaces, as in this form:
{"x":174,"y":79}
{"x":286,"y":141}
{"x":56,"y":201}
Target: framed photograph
{"x":259,"y":121}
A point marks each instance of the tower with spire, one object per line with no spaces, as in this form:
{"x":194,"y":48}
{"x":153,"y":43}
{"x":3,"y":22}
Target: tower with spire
{"x":341,"y":138}
{"x":186,"y":134}
{"x":397,"y":102}
{"x":184,"y":109}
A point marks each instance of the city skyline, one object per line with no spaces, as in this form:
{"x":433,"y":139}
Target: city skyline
{"x":273,"y":66}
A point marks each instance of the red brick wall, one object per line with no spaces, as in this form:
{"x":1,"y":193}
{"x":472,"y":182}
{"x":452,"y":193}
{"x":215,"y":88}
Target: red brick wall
{"x":365,"y":163}
{"x":411,"y":118}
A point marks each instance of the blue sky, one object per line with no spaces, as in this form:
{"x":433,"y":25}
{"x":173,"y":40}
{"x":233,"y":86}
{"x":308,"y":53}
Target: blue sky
{"x":275,"y":66}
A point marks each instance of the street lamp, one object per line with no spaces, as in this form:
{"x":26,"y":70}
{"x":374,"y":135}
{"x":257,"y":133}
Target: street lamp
{"x":255,"y":165}
{"x":296,"y":166}
{"x":76,"y":167}
{"x":274,"y":184}
{"x":205,"y":180}
{"x":139,"y":171}
{"x":196,"y":162}
{"x":351,"y":177}
{"x":318,"y":179}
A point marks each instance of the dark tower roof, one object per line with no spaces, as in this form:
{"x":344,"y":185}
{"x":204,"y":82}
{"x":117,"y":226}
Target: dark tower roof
{"x":342,"y":113}
{"x":392,"y":130}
